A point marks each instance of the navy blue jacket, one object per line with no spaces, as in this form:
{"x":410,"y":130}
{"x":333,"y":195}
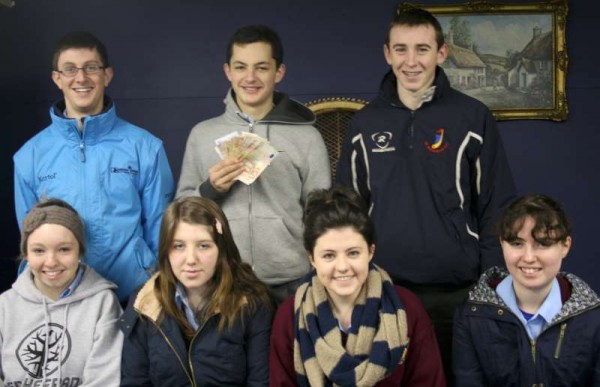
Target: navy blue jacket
{"x":492,"y":348}
{"x":435,"y":179}
{"x":156,"y":354}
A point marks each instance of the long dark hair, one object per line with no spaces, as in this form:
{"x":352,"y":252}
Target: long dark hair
{"x":233,"y":288}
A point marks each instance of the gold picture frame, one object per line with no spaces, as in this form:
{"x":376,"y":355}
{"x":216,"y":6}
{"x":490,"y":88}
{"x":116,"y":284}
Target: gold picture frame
{"x":527,"y":80}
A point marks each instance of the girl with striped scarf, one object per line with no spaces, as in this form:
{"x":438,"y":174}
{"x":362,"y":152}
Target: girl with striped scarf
{"x":347,"y":324}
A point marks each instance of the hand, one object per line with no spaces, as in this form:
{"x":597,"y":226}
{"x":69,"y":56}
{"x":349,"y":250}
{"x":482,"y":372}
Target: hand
{"x":223,"y":175}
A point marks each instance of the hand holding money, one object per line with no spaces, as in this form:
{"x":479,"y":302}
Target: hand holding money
{"x":255,"y":152}
{"x":223,"y":174}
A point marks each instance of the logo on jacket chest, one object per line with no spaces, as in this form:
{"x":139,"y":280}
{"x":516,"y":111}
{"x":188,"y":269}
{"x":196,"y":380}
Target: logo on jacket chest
{"x":382,"y":140}
{"x":438,"y":145}
{"x":50,"y":176}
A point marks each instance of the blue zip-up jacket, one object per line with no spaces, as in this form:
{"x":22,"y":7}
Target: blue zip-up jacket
{"x":155,"y":351}
{"x":492,"y":348}
{"x":435,"y":178}
{"x":115,"y":175}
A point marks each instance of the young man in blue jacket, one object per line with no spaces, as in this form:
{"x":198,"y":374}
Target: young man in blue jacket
{"x":429,"y":162}
{"x":115,"y":174}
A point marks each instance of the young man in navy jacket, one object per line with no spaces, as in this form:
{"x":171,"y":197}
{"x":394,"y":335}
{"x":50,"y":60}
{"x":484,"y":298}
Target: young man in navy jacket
{"x":429,"y":162}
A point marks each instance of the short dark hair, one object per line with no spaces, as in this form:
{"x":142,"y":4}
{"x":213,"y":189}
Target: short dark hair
{"x":551,"y":223}
{"x":335,"y":208}
{"x":254,"y":34}
{"x":413,"y":17}
{"x":79,"y":39}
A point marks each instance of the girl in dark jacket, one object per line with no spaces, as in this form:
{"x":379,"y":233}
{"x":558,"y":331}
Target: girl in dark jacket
{"x":531,"y":325}
{"x":348,"y":325}
{"x":204,"y":318}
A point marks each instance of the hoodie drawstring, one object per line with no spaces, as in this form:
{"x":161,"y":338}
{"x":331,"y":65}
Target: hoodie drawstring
{"x":47,"y":329}
{"x":59,"y":348}
{"x":62,"y":339}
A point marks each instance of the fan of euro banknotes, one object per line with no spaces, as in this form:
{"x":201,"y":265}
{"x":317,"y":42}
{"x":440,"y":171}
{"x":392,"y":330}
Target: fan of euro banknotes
{"x":255,"y":151}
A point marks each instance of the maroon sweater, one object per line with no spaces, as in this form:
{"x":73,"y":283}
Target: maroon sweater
{"x":422,"y":367}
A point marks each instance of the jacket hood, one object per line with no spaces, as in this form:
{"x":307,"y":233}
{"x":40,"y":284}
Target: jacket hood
{"x":577,"y":294}
{"x":90,"y":284}
{"x":285,"y":111}
{"x":388,"y":89}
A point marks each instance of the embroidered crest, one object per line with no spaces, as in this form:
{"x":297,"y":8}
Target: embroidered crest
{"x":438,"y":145}
{"x":382,"y":142}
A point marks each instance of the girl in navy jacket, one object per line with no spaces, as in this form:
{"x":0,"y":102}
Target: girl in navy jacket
{"x":531,"y":325}
{"x":204,"y":318}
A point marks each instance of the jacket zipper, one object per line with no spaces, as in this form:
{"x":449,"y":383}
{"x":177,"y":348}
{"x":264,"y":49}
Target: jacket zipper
{"x":251,"y":229}
{"x":561,"y":336}
{"x":411,"y":129}
{"x":192,"y":381}
{"x":190,"y":351}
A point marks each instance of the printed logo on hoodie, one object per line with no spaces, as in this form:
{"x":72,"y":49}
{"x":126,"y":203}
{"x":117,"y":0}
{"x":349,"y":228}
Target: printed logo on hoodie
{"x":40,"y":352}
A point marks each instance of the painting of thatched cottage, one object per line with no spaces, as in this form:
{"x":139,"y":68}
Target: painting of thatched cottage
{"x":502,"y":60}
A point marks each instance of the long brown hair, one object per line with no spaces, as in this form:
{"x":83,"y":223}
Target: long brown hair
{"x":233,"y":288}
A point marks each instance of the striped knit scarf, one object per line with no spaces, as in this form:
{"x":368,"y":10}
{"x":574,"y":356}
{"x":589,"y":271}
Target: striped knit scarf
{"x":377,"y":340}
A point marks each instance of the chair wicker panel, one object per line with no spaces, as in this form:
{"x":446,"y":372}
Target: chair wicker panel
{"x":333,"y":117}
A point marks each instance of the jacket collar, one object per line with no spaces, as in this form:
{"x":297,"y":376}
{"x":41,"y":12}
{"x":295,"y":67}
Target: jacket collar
{"x":576,"y":295}
{"x":388,"y":89}
{"x":285,"y":110}
{"x":146,"y":302}
{"x":94,"y":127}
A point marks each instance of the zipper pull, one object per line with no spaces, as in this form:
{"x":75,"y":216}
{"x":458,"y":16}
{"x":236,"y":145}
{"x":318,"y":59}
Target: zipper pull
{"x":561,"y":336}
{"x":82,"y":151}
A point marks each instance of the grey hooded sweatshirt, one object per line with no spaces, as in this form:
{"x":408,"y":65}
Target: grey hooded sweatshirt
{"x":74,"y":341}
{"x":266,"y":216}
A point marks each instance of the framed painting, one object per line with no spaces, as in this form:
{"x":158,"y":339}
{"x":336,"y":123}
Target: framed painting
{"x":512,"y":57}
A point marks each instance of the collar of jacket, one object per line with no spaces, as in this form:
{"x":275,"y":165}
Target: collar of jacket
{"x":576,"y":295}
{"x":285,"y":111}
{"x":388,"y":89}
{"x":94,"y":127}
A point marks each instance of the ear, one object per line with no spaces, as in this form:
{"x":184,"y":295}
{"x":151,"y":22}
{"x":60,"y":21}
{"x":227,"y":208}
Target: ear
{"x":311,"y":259}
{"x":442,"y":54}
{"x":567,"y":246}
{"x":280,"y":73}
{"x":387,"y":54}
{"x":227,"y":71}
{"x":56,"y":79}
{"x":371,"y":251}
{"x":108,"y":75}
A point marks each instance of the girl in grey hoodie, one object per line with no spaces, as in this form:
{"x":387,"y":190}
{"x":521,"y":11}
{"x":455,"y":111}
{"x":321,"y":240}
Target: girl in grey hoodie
{"x":58,"y":323}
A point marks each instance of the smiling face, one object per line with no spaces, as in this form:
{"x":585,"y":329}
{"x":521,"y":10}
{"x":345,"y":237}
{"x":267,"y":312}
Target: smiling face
{"x":341,"y":259}
{"x":84,"y":94}
{"x":253,"y":73}
{"x":532,"y":264}
{"x":193,"y":257}
{"x":53,"y":258}
{"x":413,"y":55}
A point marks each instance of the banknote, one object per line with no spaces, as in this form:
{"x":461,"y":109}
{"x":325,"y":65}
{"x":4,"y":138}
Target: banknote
{"x":255,"y":151}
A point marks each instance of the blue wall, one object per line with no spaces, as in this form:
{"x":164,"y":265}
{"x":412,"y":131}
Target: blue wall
{"x":168,"y":56}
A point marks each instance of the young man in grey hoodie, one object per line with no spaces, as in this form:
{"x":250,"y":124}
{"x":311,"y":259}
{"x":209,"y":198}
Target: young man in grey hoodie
{"x":265,"y":216}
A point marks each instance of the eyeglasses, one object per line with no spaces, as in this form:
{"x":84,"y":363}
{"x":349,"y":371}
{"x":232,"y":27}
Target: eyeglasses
{"x":88,"y":69}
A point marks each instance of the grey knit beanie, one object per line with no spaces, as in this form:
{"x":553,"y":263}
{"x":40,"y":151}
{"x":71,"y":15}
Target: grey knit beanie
{"x":53,"y":211}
